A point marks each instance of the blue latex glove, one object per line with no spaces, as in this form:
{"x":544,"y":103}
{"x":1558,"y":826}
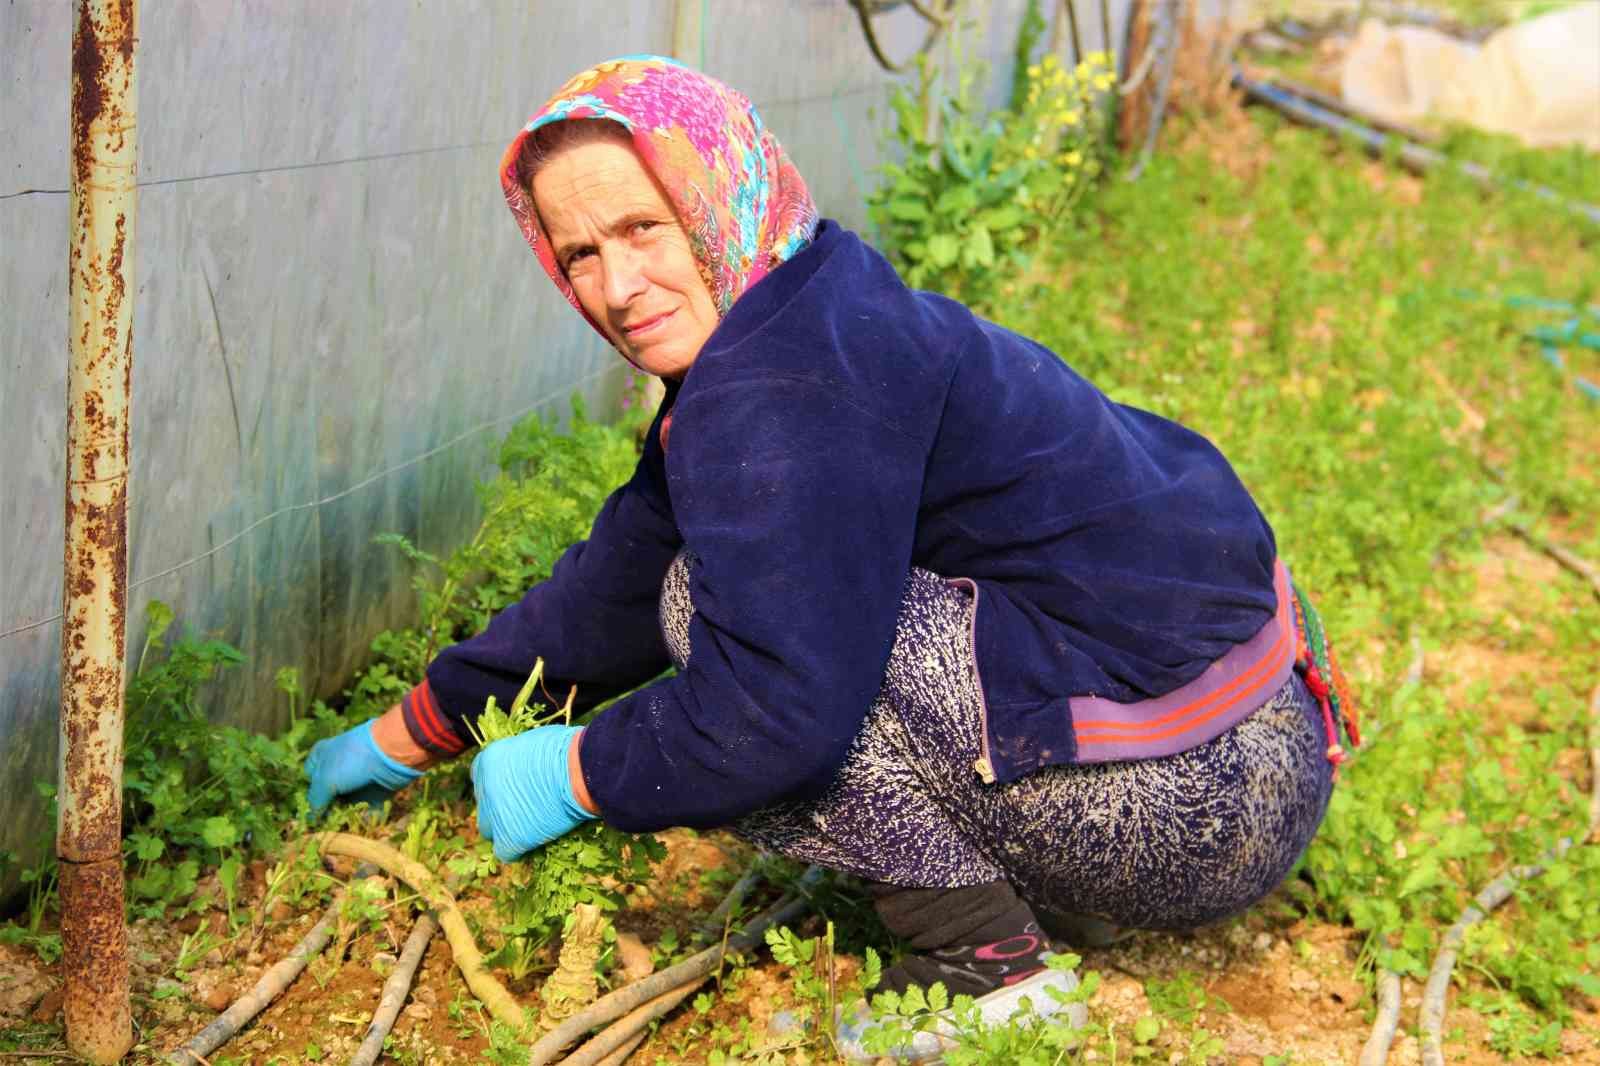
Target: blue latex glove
{"x":524,"y":792}
{"x":352,"y":765}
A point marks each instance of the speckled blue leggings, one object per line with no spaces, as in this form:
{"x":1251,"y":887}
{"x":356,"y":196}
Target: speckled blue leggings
{"x":1167,"y":843}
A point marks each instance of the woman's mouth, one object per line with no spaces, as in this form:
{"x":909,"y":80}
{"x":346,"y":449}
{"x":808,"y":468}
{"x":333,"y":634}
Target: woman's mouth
{"x":646,"y":326}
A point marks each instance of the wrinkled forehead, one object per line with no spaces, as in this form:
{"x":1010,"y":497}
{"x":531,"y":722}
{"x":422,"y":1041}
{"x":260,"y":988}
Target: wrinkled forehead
{"x":583,"y":190}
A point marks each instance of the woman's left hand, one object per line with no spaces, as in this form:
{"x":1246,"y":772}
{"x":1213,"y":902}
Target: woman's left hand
{"x":524,"y":790}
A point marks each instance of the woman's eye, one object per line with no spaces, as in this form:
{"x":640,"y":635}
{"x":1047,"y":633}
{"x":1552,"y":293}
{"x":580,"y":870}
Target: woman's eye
{"x":578,"y":256}
{"x":643,"y":225}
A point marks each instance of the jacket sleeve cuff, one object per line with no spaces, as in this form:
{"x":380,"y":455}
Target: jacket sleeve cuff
{"x":428,"y":725}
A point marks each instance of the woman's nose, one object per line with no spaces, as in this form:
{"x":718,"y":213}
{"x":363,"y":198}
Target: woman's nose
{"x":624,"y":275}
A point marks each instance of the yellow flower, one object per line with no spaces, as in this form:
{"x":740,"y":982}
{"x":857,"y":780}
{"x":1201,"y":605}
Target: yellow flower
{"x":1084,"y":71}
{"x":1103,"y":82}
{"x":1033,"y":71}
{"x":1073,"y":158}
{"x":1070,"y":118}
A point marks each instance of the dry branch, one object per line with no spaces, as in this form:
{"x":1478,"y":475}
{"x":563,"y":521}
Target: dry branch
{"x":468,"y":958}
{"x":395,"y":990}
{"x":1496,"y":892}
{"x":271,"y":985}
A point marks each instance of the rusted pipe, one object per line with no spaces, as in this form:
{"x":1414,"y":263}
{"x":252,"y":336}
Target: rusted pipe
{"x":95,"y":572}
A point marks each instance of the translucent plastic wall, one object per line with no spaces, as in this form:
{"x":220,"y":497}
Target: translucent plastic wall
{"x":336,"y":319}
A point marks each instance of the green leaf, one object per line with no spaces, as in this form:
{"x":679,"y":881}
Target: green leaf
{"x":1000,"y":219}
{"x":157,"y":617}
{"x":943,"y":248}
{"x":907,"y":209}
{"x":1146,"y":1029}
{"x":956,"y":201}
{"x":980,"y":248}
{"x":1424,"y":874}
{"x":218,"y":831}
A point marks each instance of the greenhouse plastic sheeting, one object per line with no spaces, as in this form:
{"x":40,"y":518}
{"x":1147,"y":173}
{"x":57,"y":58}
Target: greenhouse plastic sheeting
{"x":336,"y":320}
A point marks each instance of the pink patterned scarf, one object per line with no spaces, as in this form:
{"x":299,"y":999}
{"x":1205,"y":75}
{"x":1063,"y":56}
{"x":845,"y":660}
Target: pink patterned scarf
{"x":742,"y":203}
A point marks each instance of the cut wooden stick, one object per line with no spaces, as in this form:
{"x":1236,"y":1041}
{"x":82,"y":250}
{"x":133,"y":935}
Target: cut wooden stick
{"x":395,"y":991}
{"x":469,"y":960}
{"x":270,"y":986}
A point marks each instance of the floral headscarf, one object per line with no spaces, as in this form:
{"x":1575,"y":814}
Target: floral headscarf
{"x":742,"y":203}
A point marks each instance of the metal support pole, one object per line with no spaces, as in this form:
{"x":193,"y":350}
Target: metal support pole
{"x":93,"y":631}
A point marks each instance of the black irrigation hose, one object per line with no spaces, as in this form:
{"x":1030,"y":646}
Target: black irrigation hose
{"x":1413,"y":157}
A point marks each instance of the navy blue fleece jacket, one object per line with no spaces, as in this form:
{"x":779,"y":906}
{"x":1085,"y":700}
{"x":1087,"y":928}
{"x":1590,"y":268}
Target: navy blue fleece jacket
{"x":836,"y":429}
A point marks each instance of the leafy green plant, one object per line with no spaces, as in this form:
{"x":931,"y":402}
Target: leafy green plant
{"x":963,"y":207}
{"x":1028,"y":1038}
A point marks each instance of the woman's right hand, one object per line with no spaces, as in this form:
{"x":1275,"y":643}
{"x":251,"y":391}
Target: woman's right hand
{"x":356,"y":765}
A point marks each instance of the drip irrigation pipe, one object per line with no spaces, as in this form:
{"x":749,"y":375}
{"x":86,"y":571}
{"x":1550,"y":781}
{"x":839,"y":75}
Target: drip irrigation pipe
{"x":638,"y":1000}
{"x":1430,"y":1016}
{"x":1412,"y":156}
{"x":270,"y":986}
{"x":1350,"y":111}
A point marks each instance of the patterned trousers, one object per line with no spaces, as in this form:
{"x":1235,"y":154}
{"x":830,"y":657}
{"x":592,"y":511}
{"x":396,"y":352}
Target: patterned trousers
{"x":1164,"y":843}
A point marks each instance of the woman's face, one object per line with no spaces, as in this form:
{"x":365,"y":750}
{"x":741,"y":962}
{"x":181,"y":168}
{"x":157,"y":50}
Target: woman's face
{"x":628,"y":259}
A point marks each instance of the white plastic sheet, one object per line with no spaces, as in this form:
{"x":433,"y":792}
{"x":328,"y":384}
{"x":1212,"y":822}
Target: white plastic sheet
{"x":1537,"y":80}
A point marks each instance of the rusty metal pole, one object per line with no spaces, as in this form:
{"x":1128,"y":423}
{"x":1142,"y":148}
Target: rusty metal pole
{"x":95,"y":575}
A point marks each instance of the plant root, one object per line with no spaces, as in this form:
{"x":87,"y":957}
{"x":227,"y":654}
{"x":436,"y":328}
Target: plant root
{"x":573,"y":985}
{"x":1575,"y":563}
{"x":271,"y":985}
{"x":641,"y":1002}
{"x":1496,"y":892}
{"x":1387,"y":1023}
{"x":1594,"y":766}
{"x":619,"y":1056}
{"x":395,"y":990}
{"x":469,"y":960}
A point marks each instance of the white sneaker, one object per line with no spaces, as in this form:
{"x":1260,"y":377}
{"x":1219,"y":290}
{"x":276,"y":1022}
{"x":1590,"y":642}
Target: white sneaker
{"x":929,"y":1045}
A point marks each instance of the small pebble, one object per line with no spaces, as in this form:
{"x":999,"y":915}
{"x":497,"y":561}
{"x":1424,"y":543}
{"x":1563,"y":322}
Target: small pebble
{"x":1262,"y":942}
{"x":218,"y":997}
{"x":49,"y":1004}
